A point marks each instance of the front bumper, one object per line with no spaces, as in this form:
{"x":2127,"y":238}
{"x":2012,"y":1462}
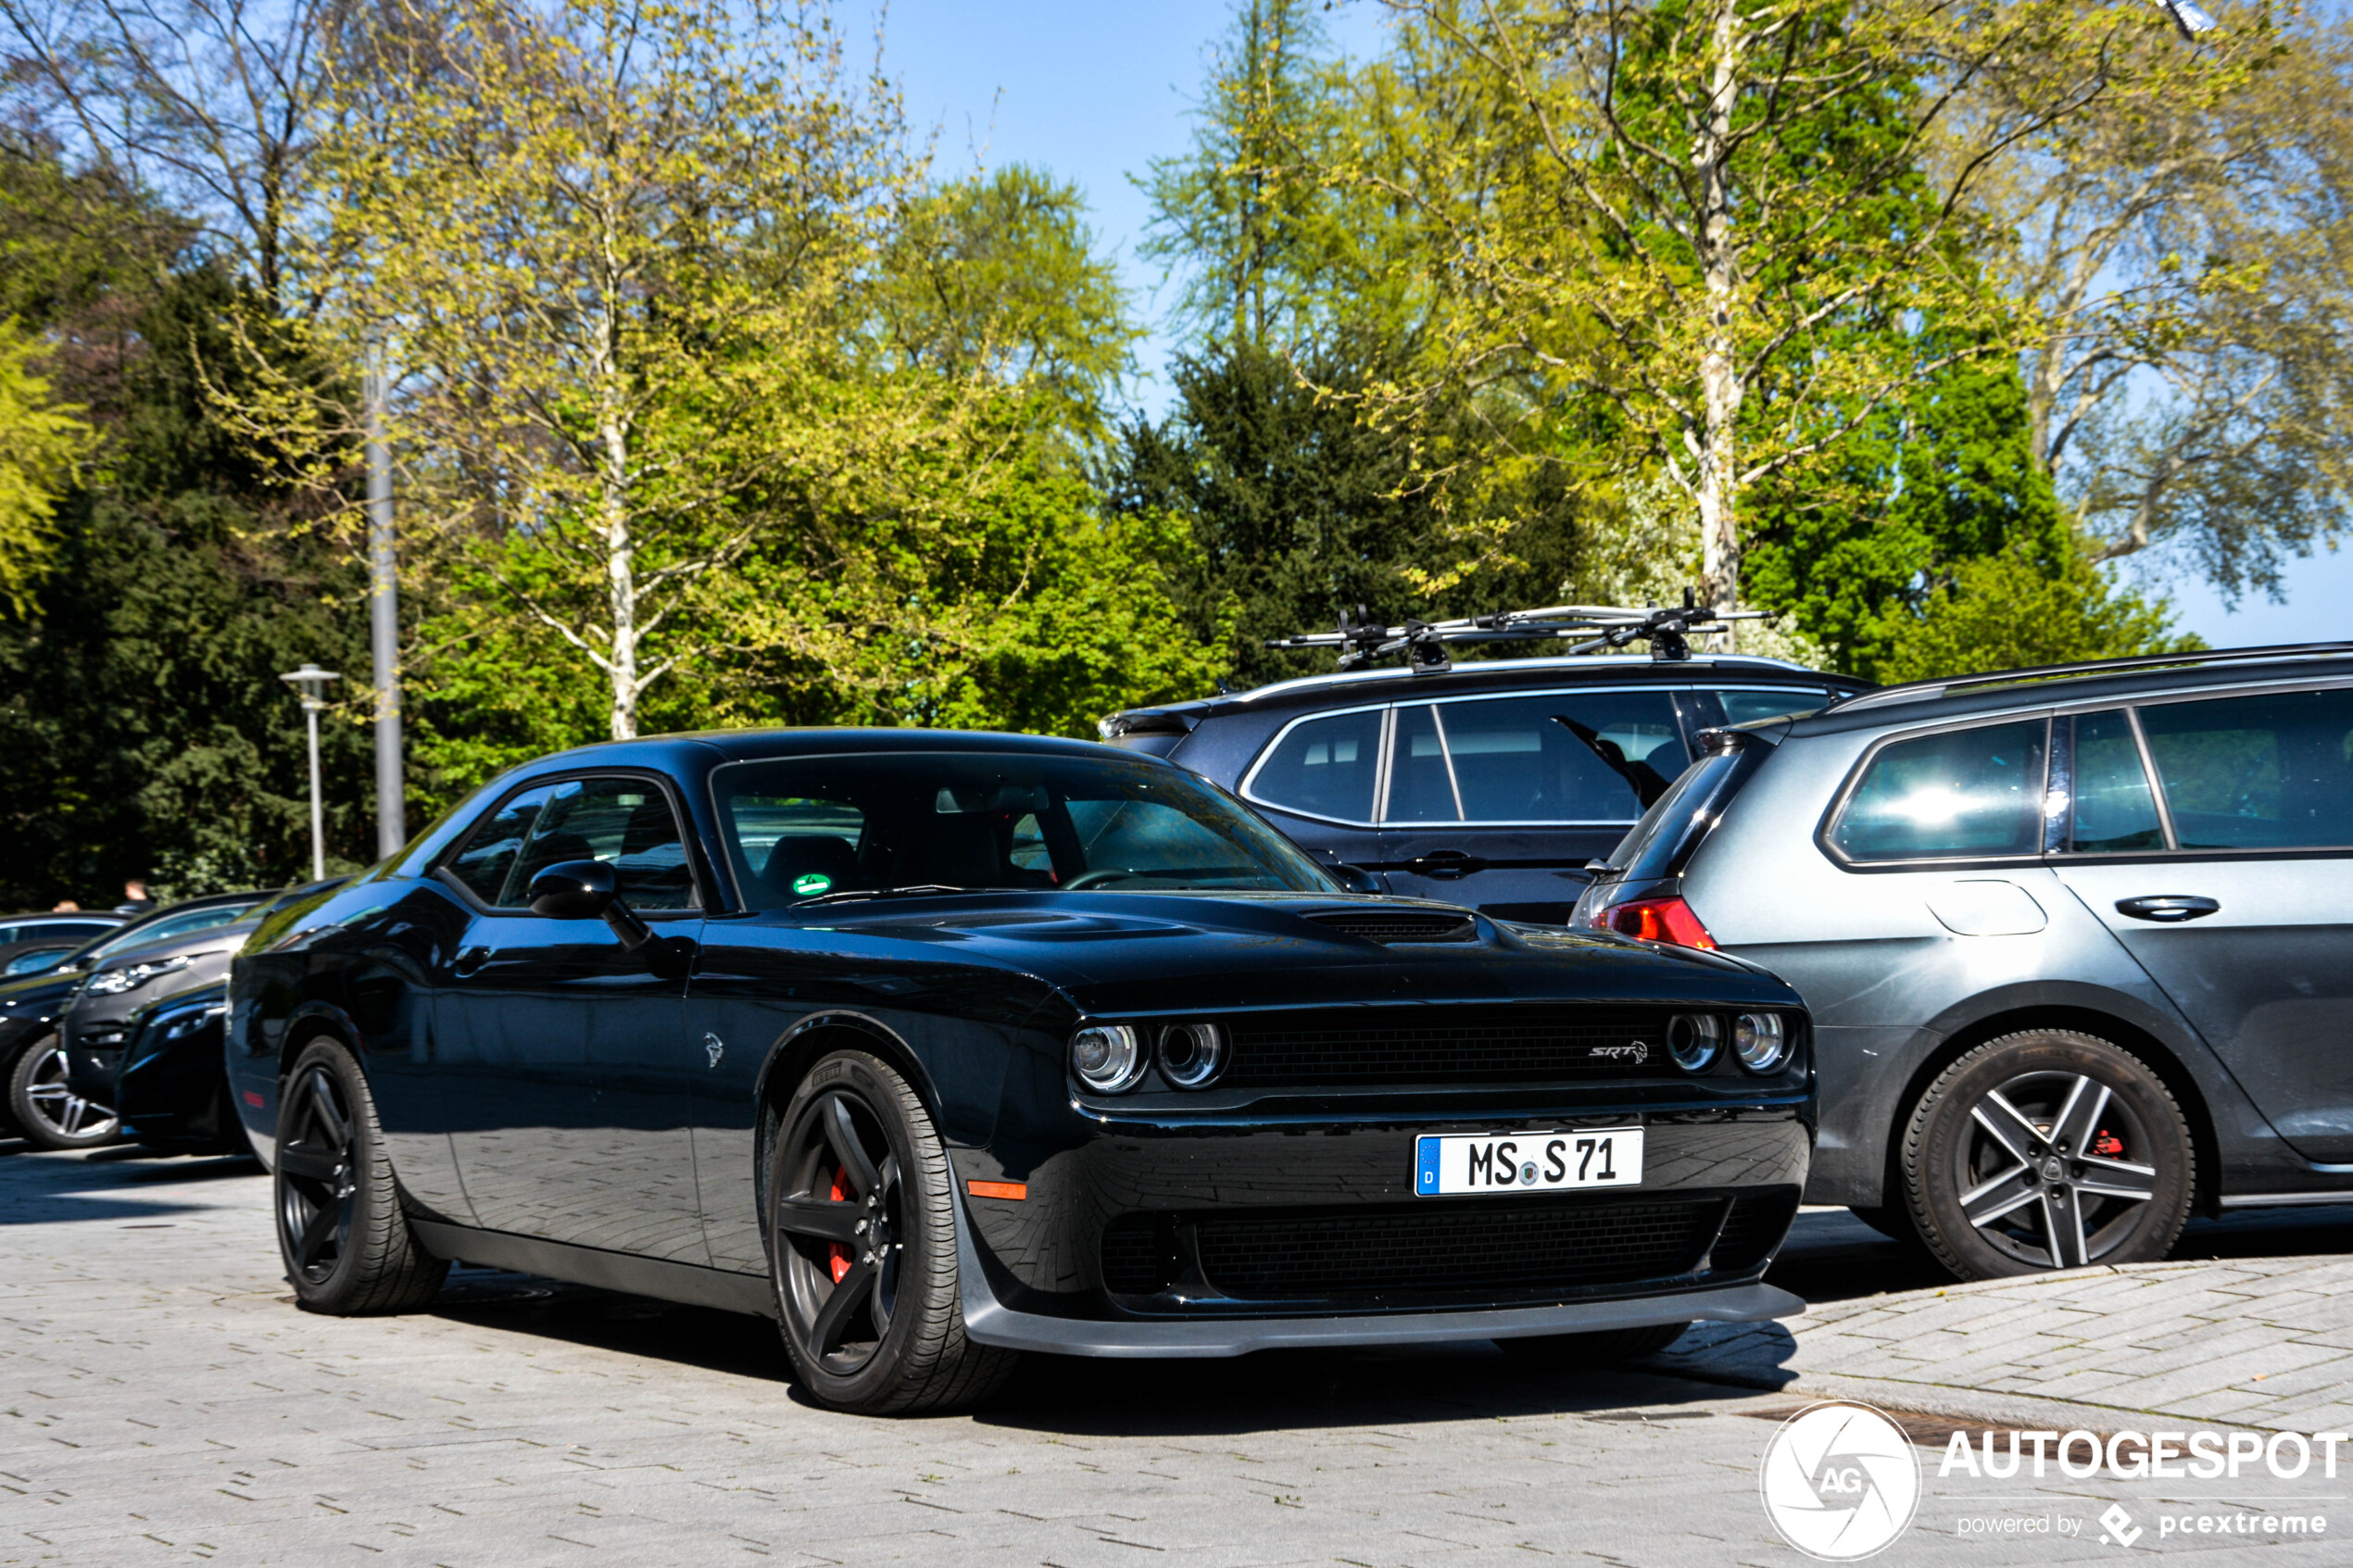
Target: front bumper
{"x":989,"y":1322}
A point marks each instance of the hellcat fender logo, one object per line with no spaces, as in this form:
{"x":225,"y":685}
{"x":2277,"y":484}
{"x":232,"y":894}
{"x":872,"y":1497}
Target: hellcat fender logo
{"x":1638,"y":1053}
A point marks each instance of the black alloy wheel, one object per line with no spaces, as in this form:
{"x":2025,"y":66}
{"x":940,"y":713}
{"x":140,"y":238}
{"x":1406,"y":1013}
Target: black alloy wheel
{"x":2048,"y":1150}
{"x":48,"y":1111}
{"x":347,"y":1245}
{"x":862,"y":1240}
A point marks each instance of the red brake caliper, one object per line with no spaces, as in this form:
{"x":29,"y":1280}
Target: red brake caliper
{"x":838,"y":1252}
{"x":2108,"y":1146}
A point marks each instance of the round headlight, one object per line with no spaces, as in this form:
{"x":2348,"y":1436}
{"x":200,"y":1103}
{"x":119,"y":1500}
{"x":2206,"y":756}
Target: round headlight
{"x":1108,"y":1058}
{"x":1191,"y":1054}
{"x":1693,"y":1038}
{"x":1760,"y":1043}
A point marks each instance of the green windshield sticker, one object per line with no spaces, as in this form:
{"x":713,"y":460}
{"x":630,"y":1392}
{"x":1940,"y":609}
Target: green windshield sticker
{"x":807,"y":885}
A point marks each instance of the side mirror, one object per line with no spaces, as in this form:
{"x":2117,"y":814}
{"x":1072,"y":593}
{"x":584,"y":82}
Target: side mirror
{"x":585,"y":890}
{"x":573,"y":890}
{"x":1356,"y":879}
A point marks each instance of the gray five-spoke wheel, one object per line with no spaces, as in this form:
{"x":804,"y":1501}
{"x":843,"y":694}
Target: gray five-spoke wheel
{"x":51,"y":1097}
{"x":2048,"y":1149}
{"x":840,"y":1227}
{"x":2049,"y":1175}
{"x":317,"y":1182}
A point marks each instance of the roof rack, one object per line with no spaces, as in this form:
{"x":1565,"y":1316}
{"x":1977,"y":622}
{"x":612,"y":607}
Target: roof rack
{"x":1424,"y":642}
{"x":1921,"y":691}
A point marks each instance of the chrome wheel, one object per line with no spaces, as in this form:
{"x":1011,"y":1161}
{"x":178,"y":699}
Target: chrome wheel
{"x":317,"y":1183}
{"x":53,"y":1116}
{"x":839,"y":1224}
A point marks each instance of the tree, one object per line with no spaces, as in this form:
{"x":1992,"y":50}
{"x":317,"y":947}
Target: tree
{"x":140,"y":698}
{"x":1715,"y":195}
{"x":2185,"y":264}
{"x":211,"y":105}
{"x":610,"y":249}
{"x":42,"y":441}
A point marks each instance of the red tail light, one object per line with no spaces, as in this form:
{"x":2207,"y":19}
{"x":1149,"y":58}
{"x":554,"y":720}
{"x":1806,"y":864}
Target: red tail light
{"x":1656,"y":920}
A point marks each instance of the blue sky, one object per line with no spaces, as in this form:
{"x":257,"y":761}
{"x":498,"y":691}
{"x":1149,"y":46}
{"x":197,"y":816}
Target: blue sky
{"x":1093,"y":93}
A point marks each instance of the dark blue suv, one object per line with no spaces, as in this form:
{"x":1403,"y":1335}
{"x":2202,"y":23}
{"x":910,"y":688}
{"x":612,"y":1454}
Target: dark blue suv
{"x":1493,"y":783}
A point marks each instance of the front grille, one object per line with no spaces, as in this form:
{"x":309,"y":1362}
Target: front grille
{"x":1401,"y":925}
{"x":1538,"y":1042}
{"x":1464,"y":1251}
{"x":1753,"y":1230}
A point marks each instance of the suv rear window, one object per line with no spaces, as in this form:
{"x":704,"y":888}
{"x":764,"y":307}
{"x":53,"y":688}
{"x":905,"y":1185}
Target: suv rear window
{"x":2257,"y":772}
{"x":1974,"y":792}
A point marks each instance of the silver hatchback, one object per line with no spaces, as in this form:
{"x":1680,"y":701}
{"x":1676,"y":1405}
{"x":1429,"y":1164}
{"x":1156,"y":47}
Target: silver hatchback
{"x":2078,"y":942}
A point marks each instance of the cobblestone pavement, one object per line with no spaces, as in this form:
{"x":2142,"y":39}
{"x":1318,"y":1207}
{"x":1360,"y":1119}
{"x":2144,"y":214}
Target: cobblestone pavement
{"x":2229,"y":1331}
{"x":164,"y":1403}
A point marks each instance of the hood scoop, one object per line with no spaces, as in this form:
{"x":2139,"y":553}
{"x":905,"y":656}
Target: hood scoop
{"x":1394,"y":926}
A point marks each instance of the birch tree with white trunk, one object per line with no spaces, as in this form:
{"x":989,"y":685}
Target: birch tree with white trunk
{"x":1726,"y":212}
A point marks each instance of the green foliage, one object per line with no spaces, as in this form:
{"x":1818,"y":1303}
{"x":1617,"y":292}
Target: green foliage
{"x":41,"y":444}
{"x":2012,"y":611}
{"x":1300,"y":511}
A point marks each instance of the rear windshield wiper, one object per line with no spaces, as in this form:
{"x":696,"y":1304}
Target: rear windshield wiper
{"x":852,"y":894}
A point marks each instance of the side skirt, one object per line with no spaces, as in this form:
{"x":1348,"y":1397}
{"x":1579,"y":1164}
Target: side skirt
{"x":688,"y":1283}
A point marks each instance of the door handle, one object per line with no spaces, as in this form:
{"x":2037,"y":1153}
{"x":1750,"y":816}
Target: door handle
{"x":469,"y":960}
{"x":2170,"y":909}
{"x":1445,"y":865}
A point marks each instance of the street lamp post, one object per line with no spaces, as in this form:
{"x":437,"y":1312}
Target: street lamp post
{"x":311,"y":682}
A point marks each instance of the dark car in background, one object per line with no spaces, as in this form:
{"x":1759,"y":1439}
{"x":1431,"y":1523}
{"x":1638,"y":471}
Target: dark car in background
{"x":2078,"y":942}
{"x":32,"y":943}
{"x":939,"y":1046}
{"x":1495,"y":784}
{"x":170,"y":1090}
{"x":147,"y":1017}
{"x":41,"y":1104}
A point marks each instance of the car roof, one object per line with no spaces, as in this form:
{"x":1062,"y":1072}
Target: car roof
{"x":1491,"y":675}
{"x":710,"y":747}
{"x":64,"y":914}
{"x":2071,"y":685}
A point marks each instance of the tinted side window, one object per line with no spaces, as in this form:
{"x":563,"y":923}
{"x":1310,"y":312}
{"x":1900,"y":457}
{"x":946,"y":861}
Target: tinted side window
{"x":2257,"y":772}
{"x":2113,"y":810}
{"x":1565,"y":757}
{"x":625,"y":823}
{"x":1747,"y":706}
{"x":1322,"y":768}
{"x":488,"y":859}
{"x":1965,"y":792}
{"x":1421,"y":783}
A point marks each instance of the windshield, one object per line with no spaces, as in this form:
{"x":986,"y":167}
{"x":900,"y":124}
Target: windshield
{"x":157,"y":928}
{"x":811,"y":827}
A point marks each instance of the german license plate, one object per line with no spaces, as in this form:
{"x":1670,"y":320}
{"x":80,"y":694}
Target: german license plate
{"x":1503,"y":1162}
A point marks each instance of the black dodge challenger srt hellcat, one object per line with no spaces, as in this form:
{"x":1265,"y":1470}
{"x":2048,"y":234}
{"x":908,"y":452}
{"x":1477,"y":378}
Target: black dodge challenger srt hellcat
{"x":942,"y":1047}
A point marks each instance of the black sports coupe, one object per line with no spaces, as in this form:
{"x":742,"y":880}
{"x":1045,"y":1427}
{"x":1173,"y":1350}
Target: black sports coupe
{"x":941,"y":1047}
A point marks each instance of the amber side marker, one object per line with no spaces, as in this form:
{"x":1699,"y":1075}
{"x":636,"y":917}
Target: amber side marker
{"x":1015,"y":1190}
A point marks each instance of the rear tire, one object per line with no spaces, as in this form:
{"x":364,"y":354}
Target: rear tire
{"x":862,"y":1244}
{"x":1607,"y":1347}
{"x":47,"y":1112}
{"x":348,"y":1247}
{"x":2048,"y":1150}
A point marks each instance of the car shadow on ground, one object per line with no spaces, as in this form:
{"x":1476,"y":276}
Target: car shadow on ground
{"x":47,"y":1188}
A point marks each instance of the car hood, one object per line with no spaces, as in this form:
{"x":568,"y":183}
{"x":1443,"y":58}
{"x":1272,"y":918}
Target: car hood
{"x":1139,"y":952}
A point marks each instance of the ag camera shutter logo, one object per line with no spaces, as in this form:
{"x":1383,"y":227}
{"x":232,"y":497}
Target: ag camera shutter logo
{"x":1840,"y":1480}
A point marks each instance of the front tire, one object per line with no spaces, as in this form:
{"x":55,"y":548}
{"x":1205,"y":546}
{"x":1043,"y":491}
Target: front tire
{"x":2048,"y":1150}
{"x":348,"y":1247}
{"x":47,"y":1112}
{"x":861,"y":1246}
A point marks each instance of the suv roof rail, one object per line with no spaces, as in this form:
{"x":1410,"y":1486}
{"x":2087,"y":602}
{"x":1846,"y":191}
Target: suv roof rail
{"x":1668,"y":631}
{"x":1921,"y":691}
